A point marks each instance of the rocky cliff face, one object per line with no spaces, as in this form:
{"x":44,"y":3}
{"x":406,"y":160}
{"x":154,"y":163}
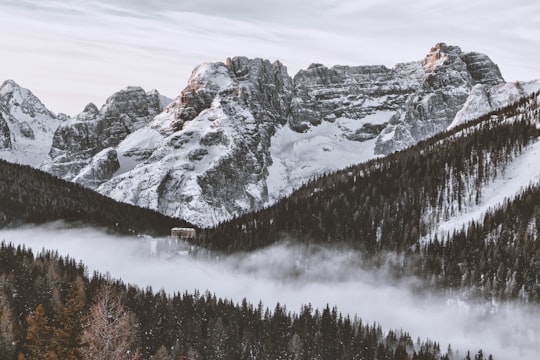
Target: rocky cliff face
{"x":243,"y":133}
{"x":26,"y":125}
{"x":5,"y":134}
{"x":210,"y":151}
{"x":449,"y":75}
{"x":80,"y":139}
{"x":353,"y":92}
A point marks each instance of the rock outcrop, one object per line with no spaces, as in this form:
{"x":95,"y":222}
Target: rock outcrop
{"x":449,"y":76}
{"x":80,"y":139}
{"x":353,"y":92}
{"x":5,"y":134}
{"x":26,"y":125}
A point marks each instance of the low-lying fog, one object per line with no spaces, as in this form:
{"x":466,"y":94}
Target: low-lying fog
{"x":297,"y":275}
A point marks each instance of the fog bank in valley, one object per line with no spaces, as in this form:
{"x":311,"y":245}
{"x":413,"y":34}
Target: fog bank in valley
{"x":295,"y":275}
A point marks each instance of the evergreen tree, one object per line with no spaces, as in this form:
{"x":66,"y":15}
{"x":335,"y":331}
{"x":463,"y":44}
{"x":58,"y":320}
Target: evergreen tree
{"x":68,"y":334}
{"x":39,"y":337}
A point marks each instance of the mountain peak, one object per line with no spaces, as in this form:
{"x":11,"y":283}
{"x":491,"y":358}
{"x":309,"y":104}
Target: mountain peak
{"x":9,"y":86}
{"x":444,"y":48}
{"x":91,"y":108}
{"x":26,"y":125}
{"x":480,"y":67}
{"x":439,"y":55}
{"x":16,"y":98}
{"x":131,"y":100}
{"x":10,"y":89}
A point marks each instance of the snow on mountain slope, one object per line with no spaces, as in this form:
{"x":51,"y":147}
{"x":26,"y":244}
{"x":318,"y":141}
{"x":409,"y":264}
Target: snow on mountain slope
{"x":83,"y":148}
{"x":482,"y":100}
{"x":531,"y":86}
{"x":477,"y":104}
{"x":243,"y":134}
{"x":523,"y":171}
{"x":499,"y":183}
{"x":137,"y":147}
{"x":321,"y":149}
{"x":26,"y":125}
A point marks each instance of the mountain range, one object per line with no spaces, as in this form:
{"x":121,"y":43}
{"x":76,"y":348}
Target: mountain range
{"x":244,"y":133}
{"x":459,"y":209}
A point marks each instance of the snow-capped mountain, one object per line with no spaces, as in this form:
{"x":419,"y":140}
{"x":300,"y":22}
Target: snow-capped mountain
{"x":244,"y":133}
{"x":210,"y":149}
{"x":26,"y":125}
{"x":83,"y":147}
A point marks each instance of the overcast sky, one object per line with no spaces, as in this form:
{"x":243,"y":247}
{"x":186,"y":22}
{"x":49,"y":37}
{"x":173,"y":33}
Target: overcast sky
{"x":72,"y":52}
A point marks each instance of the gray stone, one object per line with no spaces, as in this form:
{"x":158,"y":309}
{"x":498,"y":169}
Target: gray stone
{"x":449,"y":76}
{"x":5,"y":134}
{"x":76,"y":142}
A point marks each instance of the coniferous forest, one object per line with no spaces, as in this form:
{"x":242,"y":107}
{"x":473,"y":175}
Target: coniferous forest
{"x":51,"y":309}
{"x":31,"y":196}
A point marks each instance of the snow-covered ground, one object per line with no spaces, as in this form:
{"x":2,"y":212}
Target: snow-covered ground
{"x":298,"y":157}
{"x":142,"y":140}
{"x":523,"y":171}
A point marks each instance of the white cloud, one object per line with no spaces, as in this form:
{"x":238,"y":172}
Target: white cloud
{"x":71,"y":53}
{"x":295,"y":275}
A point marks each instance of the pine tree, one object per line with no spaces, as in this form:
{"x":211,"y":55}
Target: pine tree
{"x":479,"y":355}
{"x":38,"y":337}
{"x":67,"y":336}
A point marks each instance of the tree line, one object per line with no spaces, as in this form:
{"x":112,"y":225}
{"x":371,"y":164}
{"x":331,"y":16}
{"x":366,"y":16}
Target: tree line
{"x":51,"y":309}
{"x":28,"y":195}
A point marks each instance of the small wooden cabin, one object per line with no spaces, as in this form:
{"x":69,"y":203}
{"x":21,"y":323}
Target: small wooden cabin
{"x":183,"y":233}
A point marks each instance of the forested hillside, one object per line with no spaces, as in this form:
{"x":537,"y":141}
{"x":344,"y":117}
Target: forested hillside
{"x":50,"y":309}
{"x":397,"y":203}
{"x":32,"y":196}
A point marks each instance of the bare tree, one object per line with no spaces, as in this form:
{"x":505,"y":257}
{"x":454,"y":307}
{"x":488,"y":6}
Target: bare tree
{"x":109,"y":332}
{"x":7,"y":330}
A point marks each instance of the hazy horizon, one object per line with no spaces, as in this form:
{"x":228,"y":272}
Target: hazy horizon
{"x":75,"y":52}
